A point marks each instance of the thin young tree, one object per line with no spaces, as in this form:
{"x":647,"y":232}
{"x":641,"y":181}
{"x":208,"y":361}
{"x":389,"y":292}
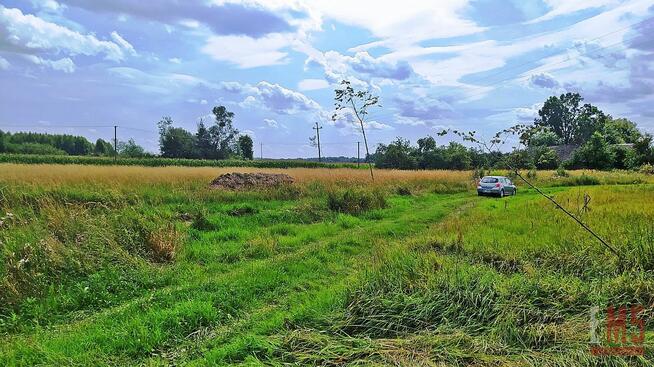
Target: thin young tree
{"x":358,"y":101}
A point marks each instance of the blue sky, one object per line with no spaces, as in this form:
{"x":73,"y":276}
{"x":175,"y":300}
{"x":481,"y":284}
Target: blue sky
{"x":78,"y":67}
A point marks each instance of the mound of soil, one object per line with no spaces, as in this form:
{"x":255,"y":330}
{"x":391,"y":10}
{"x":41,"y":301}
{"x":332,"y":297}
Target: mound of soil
{"x":238,"y":181}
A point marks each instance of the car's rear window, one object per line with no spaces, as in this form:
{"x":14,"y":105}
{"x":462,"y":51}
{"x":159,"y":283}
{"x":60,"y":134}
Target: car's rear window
{"x":489,"y":180}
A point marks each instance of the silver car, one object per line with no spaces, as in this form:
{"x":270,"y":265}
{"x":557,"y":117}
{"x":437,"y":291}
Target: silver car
{"x":496,"y":185}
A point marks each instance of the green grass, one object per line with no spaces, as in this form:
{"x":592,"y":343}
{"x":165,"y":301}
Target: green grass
{"x":319,"y":275}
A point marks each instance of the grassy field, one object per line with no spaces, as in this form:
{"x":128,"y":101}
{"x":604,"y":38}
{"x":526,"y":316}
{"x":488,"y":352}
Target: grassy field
{"x":117,"y":265}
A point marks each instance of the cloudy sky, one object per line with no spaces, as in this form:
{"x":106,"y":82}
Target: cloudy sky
{"x":78,"y":66}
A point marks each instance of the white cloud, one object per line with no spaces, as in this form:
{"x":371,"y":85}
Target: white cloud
{"x":26,"y":33}
{"x":175,"y":60}
{"x":4,"y":64}
{"x":278,"y":99}
{"x":123,"y":43}
{"x":47,"y":5}
{"x":563,"y":7}
{"x":271,"y":123}
{"x":399,"y":21}
{"x":312,"y":84}
{"x":65,"y":65}
{"x":247,"y":52}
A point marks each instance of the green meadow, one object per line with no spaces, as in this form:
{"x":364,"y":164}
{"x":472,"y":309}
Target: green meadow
{"x":150,"y":267}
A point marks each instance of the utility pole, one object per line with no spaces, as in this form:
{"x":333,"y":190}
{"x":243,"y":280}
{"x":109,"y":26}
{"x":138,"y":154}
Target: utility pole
{"x":358,"y":153}
{"x":115,"y":142}
{"x":317,"y":128}
{"x":261,"y":150}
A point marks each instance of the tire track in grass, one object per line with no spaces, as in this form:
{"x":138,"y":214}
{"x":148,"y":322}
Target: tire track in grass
{"x":133,"y":331}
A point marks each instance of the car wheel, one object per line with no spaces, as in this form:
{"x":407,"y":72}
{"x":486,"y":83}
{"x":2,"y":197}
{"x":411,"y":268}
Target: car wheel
{"x":515,"y":192}
{"x":502,"y":193}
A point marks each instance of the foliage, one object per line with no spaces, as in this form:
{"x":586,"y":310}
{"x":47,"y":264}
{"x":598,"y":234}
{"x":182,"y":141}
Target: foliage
{"x":103,"y":148}
{"x":619,"y":131}
{"x":39,"y":143}
{"x":399,"y":155}
{"x":544,"y":158}
{"x":245,"y":147}
{"x":594,"y":154}
{"x":162,"y":162}
{"x":223,"y":134}
{"x":572,"y":122}
{"x":177,"y":143}
{"x":34,"y":149}
{"x":130,"y":149}
{"x":545,"y":137}
{"x":561,"y":172}
{"x":215,"y":142}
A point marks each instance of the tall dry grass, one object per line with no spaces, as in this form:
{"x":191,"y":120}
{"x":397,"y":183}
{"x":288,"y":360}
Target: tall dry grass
{"x":114,"y":177}
{"x":57,"y":175}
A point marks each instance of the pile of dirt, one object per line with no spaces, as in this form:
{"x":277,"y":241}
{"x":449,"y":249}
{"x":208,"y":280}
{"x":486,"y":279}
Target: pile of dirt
{"x":238,"y":181}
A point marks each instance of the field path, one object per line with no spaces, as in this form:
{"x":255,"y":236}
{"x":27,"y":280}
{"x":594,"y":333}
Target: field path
{"x":225,"y":312}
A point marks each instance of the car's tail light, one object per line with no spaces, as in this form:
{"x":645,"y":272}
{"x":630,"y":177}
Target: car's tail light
{"x":497,"y":184}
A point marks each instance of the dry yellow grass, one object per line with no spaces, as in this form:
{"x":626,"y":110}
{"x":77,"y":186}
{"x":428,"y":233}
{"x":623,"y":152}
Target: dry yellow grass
{"x":56,"y":175}
{"x":51,"y":175}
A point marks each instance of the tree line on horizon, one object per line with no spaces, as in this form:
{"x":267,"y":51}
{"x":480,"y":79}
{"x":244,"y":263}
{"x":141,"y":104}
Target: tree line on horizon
{"x":598,"y":141}
{"x":219,"y":141}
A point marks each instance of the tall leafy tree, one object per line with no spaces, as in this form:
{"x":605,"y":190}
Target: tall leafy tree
{"x":177,"y":143}
{"x":3,"y":142}
{"x":130,"y":149}
{"x":204,"y":146}
{"x":103,"y":147}
{"x":618,"y":131}
{"x":245,"y":146}
{"x":573,"y":122}
{"x":223,"y":134}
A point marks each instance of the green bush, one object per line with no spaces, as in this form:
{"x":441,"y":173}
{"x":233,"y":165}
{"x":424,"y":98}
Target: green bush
{"x":596,"y":154}
{"x":583,"y":180}
{"x":352,"y":201}
{"x":561,"y":172}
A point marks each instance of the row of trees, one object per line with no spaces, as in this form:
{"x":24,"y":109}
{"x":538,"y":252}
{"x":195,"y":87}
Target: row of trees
{"x":218,"y":141}
{"x":56,"y":144}
{"x":597,"y":140}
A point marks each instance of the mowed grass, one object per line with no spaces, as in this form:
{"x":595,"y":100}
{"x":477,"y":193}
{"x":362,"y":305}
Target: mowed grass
{"x":148,"y":266}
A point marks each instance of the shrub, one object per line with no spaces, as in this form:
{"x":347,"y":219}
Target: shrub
{"x":647,"y":169}
{"x":547,"y":159}
{"x":353,"y":201}
{"x":596,"y":153}
{"x":532,"y":173}
{"x":583,"y":180}
{"x":561,"y":172}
